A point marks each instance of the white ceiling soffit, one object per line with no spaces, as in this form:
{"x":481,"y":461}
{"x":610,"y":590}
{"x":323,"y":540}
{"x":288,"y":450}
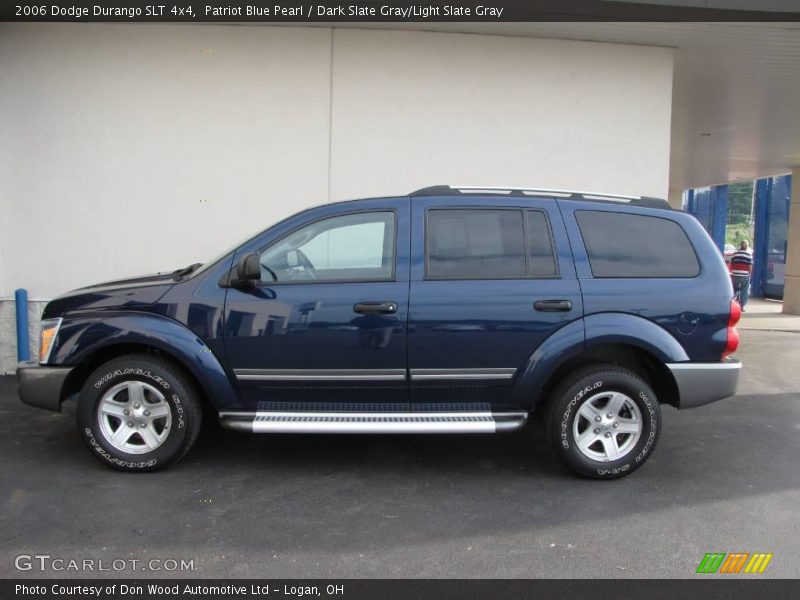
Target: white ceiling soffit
{"x":738,"y":82}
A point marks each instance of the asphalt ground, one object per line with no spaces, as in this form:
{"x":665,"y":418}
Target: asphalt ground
{"x":724,"y":478}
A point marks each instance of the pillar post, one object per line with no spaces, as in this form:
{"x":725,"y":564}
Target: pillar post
{"x":719,"y":214}
{"x":791,"y":290}
{"x":675,"y":198}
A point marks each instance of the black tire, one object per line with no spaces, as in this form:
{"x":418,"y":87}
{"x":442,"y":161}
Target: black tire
{"x":162,"y":385}
{"x":597,"y":383}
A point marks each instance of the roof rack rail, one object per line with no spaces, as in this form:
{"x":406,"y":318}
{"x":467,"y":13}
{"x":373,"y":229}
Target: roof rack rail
{"x":447,"y":190}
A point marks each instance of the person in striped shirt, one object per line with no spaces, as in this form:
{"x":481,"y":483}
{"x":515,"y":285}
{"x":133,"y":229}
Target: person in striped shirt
{"x":741,"y":265}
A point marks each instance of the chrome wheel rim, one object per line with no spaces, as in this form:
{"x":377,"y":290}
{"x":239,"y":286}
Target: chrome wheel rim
{"x":607,"y":426}
{"x":134,"y":417}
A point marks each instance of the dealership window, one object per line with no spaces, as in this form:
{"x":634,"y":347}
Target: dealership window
{"x":354,"y":247}
{"x":629,"y":245}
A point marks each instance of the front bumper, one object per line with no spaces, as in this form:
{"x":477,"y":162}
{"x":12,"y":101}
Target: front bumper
{"x":40,"y":386}
{"x":702,"y":383}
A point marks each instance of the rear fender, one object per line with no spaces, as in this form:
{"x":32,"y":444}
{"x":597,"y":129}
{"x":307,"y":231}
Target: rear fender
{"x":581,"y":335}
{"x":623,"y":328}
{"x":562,"y":345}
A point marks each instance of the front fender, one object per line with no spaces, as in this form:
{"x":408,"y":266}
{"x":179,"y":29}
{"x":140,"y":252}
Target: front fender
{"x":82,"y":336}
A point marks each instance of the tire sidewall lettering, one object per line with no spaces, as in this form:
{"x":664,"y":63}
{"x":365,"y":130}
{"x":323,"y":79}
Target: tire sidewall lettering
{"x":113,"y":459}
{"x":653,"y":428}
{"x":134,"y":371}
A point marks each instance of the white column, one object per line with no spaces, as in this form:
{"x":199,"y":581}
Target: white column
{"x":675,"y":198}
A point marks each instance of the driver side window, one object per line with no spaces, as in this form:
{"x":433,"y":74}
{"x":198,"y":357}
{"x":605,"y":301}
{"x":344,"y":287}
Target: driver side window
{"x":354,"y":247}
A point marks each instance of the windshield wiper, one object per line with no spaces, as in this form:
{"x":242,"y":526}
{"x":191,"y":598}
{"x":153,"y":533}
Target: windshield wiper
{"x":181,"y":273}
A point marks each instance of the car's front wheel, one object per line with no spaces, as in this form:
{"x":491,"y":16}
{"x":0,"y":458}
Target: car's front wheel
{"x":603,"y":421}
{"x":139,"y":412}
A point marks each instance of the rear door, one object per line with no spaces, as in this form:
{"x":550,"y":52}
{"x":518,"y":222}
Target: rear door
{"x":491,"y":278}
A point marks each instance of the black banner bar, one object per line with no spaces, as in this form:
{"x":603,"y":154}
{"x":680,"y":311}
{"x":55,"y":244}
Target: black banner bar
{"x":705,"y":587}
{"x":358,"y":11}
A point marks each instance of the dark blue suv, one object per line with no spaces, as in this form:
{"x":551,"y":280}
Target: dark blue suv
{"x":450,"y":310}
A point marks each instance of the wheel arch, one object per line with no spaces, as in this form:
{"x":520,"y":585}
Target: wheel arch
{"x":625,"y":355}
{"x":108,"y":337}
{"x":626,"y":340}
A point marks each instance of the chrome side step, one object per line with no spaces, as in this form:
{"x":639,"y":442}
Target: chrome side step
{"x":371,"y":422}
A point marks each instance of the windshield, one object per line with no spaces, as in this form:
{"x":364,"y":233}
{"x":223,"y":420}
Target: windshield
{"x":207,"y":265}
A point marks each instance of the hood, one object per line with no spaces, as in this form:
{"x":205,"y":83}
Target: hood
{"x":133,"y":292}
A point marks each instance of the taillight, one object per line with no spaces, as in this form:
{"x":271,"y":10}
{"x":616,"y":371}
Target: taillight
{"x":733,"y":335}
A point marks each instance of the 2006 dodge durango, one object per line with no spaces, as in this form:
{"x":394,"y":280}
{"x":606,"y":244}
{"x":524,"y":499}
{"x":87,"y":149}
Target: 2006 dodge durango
{"x":449,"y":310}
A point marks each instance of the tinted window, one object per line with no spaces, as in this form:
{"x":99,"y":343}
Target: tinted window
{"x":541,"y":262}
{"x":356,"y":247}
{"x":626,"y":245}
{"x":475,"y":244}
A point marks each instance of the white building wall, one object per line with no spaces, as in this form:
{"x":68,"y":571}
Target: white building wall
{"x":411,"y":109}
{"x":127,"y":149}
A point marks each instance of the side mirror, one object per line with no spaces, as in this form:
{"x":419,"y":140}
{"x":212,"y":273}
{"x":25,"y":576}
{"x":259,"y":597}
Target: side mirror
{"x":249,"y":268}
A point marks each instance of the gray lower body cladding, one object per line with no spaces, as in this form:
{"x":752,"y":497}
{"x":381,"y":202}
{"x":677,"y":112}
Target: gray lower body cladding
{"x":40,"y":386}
{"x":703,"y":383}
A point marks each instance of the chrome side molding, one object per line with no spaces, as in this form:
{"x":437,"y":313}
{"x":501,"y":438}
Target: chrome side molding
{"x":372,"y":374}
{"x":320,"y":374}
{"x":430,"y":374}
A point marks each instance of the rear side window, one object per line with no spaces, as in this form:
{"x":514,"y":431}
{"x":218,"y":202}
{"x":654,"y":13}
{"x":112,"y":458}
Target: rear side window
{"x":488,"y":244}
{"x":627,"y":245}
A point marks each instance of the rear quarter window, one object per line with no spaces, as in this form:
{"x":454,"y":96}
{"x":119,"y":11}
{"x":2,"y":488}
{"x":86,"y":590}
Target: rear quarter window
{"x":629,"y":245}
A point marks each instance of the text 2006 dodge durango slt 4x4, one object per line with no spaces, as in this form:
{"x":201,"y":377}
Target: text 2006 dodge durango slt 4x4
{"x":450,"y":310}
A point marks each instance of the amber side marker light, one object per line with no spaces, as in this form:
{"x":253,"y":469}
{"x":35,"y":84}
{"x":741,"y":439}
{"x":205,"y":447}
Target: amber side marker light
{"x":47,"y":336}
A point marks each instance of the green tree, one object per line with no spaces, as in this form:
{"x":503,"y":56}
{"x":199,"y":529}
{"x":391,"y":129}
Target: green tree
{"x":740,"y":213}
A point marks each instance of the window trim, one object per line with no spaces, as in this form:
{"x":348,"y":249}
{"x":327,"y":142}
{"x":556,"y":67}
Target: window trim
{"x":636,"y":214}
{"x":523,"y":210}
{"x":392,"y":277}
{"x":553,"y":254}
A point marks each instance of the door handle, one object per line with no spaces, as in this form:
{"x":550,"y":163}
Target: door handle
{"x":553,"y":305}
{"x":375,"y":308}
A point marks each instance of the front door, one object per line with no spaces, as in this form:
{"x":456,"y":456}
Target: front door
{"x":327,"y":322}
{"x":492,"y":278}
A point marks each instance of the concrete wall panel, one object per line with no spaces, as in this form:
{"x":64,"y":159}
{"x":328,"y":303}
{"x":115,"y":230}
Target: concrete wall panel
{"x":414,"y":108}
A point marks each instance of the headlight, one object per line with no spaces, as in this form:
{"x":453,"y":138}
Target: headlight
{"x":46,"y":338}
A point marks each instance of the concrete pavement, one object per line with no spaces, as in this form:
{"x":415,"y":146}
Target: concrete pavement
{"x":765,"y":315}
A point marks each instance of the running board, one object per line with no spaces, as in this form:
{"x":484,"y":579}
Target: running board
{"x":370,"y":422}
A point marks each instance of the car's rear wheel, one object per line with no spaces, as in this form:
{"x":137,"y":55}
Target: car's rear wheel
{"x":603,"y":421}
{"x":139,"y":412}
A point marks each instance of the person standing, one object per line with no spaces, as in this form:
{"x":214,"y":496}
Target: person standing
{"x":741,"y":265}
